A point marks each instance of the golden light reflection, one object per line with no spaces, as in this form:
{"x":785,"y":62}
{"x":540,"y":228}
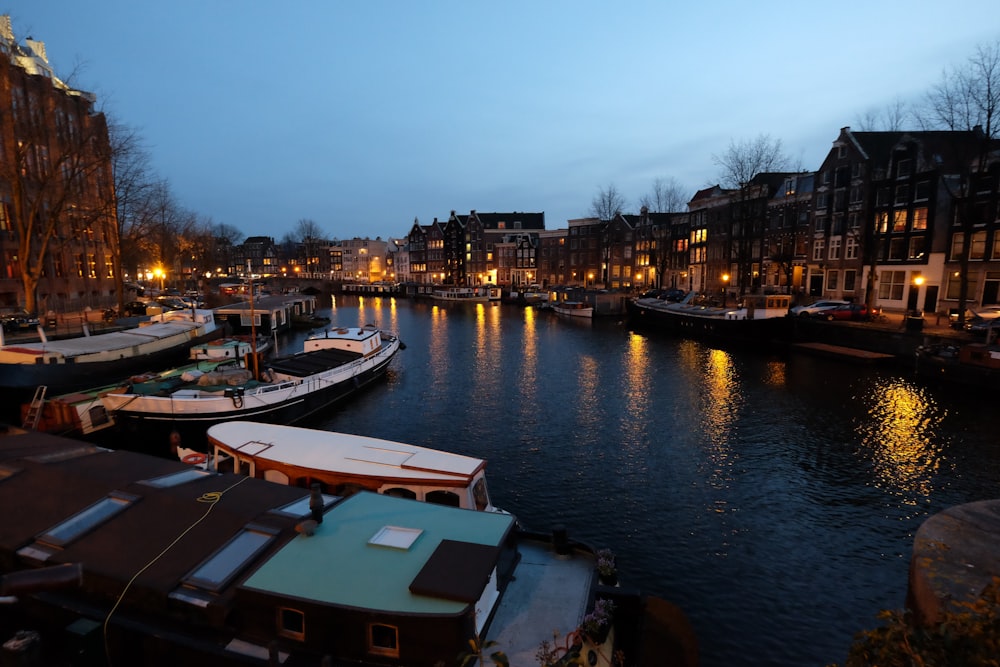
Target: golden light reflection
{"x":637,"y":380}
{"x":438,"y":351}
{"x":899,"y":436}
{"x":529,"y":361}
{"x":776,"y":374}
{"x":721,"y":401}
{"x":487,"y":350}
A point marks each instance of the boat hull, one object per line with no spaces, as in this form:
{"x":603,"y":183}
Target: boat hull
{"x":157,"y":424}
{"x":709,"y":327}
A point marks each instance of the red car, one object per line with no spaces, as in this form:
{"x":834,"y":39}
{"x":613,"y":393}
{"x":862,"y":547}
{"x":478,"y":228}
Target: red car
{"x":847,"y":311}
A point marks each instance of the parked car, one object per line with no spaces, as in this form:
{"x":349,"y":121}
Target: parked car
{"x":846,"y":311}
{"x":171,"y":303}
{"x":816,"y":308}
{"x":133,"y":308}
{"x":19,"y":320}
{"x":980,"y":325}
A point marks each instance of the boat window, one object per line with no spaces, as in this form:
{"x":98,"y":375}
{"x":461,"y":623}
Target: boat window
{"x":400,"y":492}
{"x":220,"y":568}
{"x":383,"y":640}
{"x":480,"y":494}
{"x":223,"y":462}
{"x":86,"y":520}
{"x":300,"y":508}
{"x":291,"y":623}
{"x":177,"y":478}
{"x":448,"y":498}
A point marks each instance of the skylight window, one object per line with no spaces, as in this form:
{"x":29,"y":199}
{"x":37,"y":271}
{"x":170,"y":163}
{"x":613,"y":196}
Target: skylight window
{"x":82,"y":522}
{"x":176,"y":479}
{"x":395,"y":537}
{"x":220,"y":568}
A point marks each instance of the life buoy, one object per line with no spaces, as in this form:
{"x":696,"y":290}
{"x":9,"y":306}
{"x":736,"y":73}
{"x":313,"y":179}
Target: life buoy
{"x":195,"y":459}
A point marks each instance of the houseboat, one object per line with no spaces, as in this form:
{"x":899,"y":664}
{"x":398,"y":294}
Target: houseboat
{"x":232,"y":570}
{"x":343,"y":463}
{"x":82,"y":413}
{"x":333,"y":365}
{"x":467,"y":294}
{"x":759,"y":319}
{"x":68,"y":364}
{"x":573,"y":309}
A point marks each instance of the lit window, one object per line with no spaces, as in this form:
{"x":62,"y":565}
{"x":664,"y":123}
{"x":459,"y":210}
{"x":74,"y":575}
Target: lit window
{"x":62,"y":534}
{"x":383,"y":640}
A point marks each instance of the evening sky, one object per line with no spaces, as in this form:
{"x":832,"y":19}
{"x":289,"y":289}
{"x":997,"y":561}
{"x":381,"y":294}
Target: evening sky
{"x":362,"y":116}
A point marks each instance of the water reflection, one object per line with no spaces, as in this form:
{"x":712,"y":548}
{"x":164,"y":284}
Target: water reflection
{"x":721,"y":399}
{"x":527,"y":378}
{"x":487,"y":347}
{"x":636,"y":389}
{"x":901,"y":437}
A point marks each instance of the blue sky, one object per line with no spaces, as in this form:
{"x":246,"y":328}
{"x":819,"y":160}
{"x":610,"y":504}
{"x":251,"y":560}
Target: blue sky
{"x":362,"y":116}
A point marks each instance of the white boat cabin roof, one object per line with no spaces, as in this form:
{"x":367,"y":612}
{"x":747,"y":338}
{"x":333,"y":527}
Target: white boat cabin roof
{"x":343,"y":452}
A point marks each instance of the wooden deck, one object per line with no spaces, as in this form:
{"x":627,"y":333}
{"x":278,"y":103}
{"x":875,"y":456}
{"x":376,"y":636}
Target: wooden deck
{"x":841,"y":352}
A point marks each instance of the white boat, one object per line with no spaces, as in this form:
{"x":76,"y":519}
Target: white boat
{"x":73,"y":363}
{"x":333,"y":365}
{"x":343,"y":463}
{"x":467,"y":294}
{"x":573,"y":308}
{"x":83,"y":413}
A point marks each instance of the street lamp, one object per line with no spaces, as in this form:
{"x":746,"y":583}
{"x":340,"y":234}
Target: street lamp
{"x":725,"y":285}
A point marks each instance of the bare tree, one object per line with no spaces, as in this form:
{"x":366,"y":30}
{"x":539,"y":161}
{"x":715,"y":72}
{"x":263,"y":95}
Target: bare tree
{"x":667,"y":196}
{"x":739,"y":166}
{"x":53,"y":183}
{"x":607,"y":203}
{"x":310,"y":236}
{"x":134,"y":180}
{"x":890,"y":118}
{"x":967,"y":102}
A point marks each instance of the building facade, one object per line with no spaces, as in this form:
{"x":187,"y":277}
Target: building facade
{"x":58,"y":226}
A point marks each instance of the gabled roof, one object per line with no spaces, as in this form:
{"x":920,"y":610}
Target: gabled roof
{"x":514,"y":220}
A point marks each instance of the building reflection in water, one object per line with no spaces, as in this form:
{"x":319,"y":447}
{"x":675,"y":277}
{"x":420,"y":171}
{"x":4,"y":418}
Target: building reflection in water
{"x":899,"y":434}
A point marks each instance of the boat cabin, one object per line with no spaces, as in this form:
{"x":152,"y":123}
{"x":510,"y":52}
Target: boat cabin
{"x":343,"y":463}
{"x":761,"y":307}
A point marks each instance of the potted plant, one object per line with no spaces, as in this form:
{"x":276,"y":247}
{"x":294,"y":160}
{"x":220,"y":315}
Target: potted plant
{"x":607,"y":572}
{"x":597,"y":624}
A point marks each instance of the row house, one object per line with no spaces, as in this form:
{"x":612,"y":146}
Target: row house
{"x":789,"y":235}
{"x":652,"y":255}
{"x":708,"y":255}
{"x":55,"y":174}
{"x":426,"y":244}
{"x":257,"y":257}
{"x":363,"y":261}
{"x":586,"y":252}
{"x":887,"y":224}
{"x":552,"y":257}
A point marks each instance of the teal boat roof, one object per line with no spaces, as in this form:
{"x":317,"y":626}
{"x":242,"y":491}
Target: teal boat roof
{"x":361,"y":574}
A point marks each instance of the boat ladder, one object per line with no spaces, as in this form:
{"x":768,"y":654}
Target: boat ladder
{"x":35,"y":409}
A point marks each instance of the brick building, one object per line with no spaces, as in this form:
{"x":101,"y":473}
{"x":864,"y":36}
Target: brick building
{"x":58,"y":227}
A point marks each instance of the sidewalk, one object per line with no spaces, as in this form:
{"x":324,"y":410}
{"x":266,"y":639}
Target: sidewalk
{"x":933,"y":324}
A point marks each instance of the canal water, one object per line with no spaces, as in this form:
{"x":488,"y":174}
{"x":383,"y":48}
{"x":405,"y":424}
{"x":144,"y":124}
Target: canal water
{"x":773,"y":498}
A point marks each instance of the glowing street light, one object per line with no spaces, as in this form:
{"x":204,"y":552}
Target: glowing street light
{"x":725,"y":286}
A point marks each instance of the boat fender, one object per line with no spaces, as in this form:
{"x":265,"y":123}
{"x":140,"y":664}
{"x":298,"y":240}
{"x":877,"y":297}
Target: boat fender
{"x":196,"y":458}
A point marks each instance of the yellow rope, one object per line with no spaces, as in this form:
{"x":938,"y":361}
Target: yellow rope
{"x":211,"y":497}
